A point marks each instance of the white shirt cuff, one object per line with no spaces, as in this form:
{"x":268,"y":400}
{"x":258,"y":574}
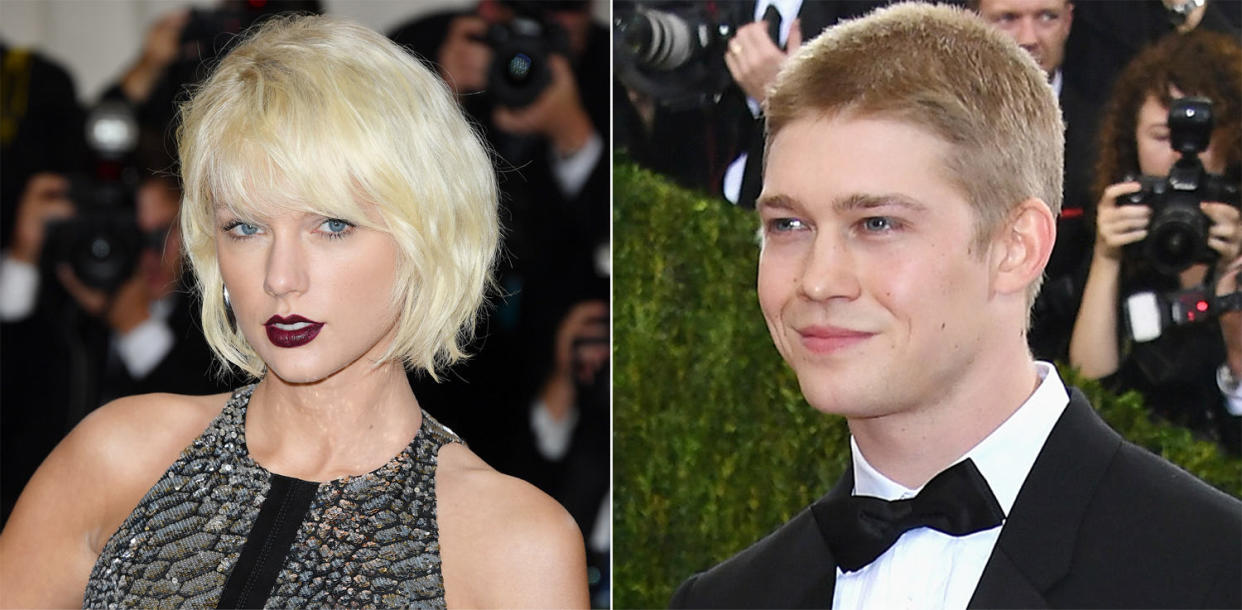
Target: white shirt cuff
{"x":552,"y":437}
{"x":573,"y":171}
{"x":142,"y":348}
{"x":19,"y":289}
{"x":1231,"y":388}
{"x":732,"y":187}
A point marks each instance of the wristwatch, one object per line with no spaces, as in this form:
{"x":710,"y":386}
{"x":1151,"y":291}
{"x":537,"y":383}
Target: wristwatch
{"x":1179,"y":13}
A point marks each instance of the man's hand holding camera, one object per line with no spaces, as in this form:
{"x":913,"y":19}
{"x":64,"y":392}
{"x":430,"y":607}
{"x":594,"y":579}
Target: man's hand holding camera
{"x":557,"y":114}
{"x":46,"y":199}
{"x":463,"y":57}
{"x":754,"y":59}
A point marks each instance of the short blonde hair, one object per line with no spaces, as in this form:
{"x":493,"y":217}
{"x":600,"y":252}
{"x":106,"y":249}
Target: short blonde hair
{"x":322,"y":115}
{"x":945,"y":70}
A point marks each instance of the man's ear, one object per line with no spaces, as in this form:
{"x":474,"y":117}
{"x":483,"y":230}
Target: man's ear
{"x":1023,"y":246}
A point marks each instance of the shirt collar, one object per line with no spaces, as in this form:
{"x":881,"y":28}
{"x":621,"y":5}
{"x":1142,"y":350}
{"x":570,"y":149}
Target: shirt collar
{"x":1004,"y":457}
{"x":1057,"y":82}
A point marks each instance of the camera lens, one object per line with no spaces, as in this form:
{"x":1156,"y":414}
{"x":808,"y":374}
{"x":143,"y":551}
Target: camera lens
{"x":519,"y":67}
{"x":665,"y":41}
{"x":1177,"y":236}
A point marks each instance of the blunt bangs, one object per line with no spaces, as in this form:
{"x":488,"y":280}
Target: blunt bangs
{"x":318,"y":115}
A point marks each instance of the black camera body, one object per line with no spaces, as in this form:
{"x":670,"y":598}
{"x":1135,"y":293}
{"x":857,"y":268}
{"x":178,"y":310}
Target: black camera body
{"x":1178,"y":234}
{"x":102,"y":241}
{"x":1148,"y":314}
{"x":522,"y":47}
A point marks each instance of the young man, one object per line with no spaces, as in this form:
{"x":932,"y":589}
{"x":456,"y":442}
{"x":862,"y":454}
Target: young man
{"x":914,"y":163}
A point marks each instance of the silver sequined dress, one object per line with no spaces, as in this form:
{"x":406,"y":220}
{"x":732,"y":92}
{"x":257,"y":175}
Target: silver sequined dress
{"x":367,"y":540}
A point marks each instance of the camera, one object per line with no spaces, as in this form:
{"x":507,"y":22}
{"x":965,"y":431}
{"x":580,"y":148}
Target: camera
{"x":1149,"y":313}
{"x":674,"y":51}
{"x":101,"y":243}
{"x":1178,"y":234}
{"x":520,"y":70}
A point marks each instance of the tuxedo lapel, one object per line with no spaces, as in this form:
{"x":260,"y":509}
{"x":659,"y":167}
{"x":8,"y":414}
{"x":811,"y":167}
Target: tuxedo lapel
{"x":822,"y":596}
{"x":1036,"y":545}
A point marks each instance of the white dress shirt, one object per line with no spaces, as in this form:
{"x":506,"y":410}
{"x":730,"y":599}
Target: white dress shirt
{"x":930,"y":569}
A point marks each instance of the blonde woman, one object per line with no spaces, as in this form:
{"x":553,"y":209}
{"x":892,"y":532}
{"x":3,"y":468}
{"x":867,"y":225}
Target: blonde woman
{"x":340,"y":217}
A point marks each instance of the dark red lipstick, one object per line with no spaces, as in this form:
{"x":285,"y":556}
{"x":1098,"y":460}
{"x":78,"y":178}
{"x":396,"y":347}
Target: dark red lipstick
{"x":293,"y":331}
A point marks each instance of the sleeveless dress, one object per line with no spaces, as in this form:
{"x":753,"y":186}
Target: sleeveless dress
{"x":218,"y":530}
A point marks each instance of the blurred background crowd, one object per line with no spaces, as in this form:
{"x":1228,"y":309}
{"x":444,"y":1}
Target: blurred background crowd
{"x":1142,"y":289}
{"x":93,"y":301}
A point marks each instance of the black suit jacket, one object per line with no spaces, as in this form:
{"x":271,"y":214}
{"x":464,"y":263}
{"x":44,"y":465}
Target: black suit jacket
{"x":1098,"y":522}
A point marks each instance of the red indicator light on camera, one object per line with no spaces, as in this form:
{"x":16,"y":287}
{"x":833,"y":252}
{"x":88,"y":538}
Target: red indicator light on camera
{"x":1201,"y":305}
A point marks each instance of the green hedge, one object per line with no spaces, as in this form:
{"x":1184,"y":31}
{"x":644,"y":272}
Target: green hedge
{"x":714,"y":444}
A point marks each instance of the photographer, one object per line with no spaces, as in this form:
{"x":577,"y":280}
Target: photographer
{"x":1188,"y":374}
{"x":530,"y":419}
{"x":554,"y":178}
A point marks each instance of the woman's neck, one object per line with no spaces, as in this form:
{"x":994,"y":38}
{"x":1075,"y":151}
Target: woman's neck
{"x":349,"y":423}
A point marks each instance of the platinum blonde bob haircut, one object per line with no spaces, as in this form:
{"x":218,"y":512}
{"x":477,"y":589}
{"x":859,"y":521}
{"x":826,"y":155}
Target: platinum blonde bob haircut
{"x":944,"y":70}
{"x":321,"y":115}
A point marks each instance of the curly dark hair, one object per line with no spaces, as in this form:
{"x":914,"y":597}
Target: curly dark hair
{"x":1200,"y":63}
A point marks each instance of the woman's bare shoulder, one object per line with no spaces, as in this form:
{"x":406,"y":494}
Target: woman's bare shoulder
{"x":503,"y":531}
{"x":88,"y":485}
{"x":123,"y":447}
{"x":134,"y":435}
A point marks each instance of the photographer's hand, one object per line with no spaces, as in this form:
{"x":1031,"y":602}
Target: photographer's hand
{"x":160,"y":49}
{"x":754,"y":59}
{"x":585,"y":320}
{"x":1231,"y":321}
{"x":557,"y":114}
{"x":45,"y":199}
{"x":1225,"y":236}
{"x":1093,"y":344}
{"x":463,"y":57}
{"x":1119,"y":225}
{"x":124,"y":310}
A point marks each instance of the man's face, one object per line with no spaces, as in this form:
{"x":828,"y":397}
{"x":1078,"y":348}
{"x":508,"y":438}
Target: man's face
{"x":868,"y":277}
{"x":1039,"y":26}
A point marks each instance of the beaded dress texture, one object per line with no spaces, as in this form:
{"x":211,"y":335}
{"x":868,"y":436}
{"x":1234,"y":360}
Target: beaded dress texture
{"x":365,"y":540}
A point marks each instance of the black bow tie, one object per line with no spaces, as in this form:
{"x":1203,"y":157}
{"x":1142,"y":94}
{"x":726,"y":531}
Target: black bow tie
{"x":858,"y":529}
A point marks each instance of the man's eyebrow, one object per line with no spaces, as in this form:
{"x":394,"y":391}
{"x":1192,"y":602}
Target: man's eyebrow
{"x":779,"y":202}
{"x":862,"y":201}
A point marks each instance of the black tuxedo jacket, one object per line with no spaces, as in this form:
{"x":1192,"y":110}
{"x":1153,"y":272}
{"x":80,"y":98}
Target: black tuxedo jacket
{"x":1098,"y":522}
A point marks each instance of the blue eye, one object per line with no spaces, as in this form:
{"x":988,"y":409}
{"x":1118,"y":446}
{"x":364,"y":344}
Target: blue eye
{"x":240,"y":230}
{"x":877,"y":224}
{"x":335,"y":227}
{"x":784,"y":225}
